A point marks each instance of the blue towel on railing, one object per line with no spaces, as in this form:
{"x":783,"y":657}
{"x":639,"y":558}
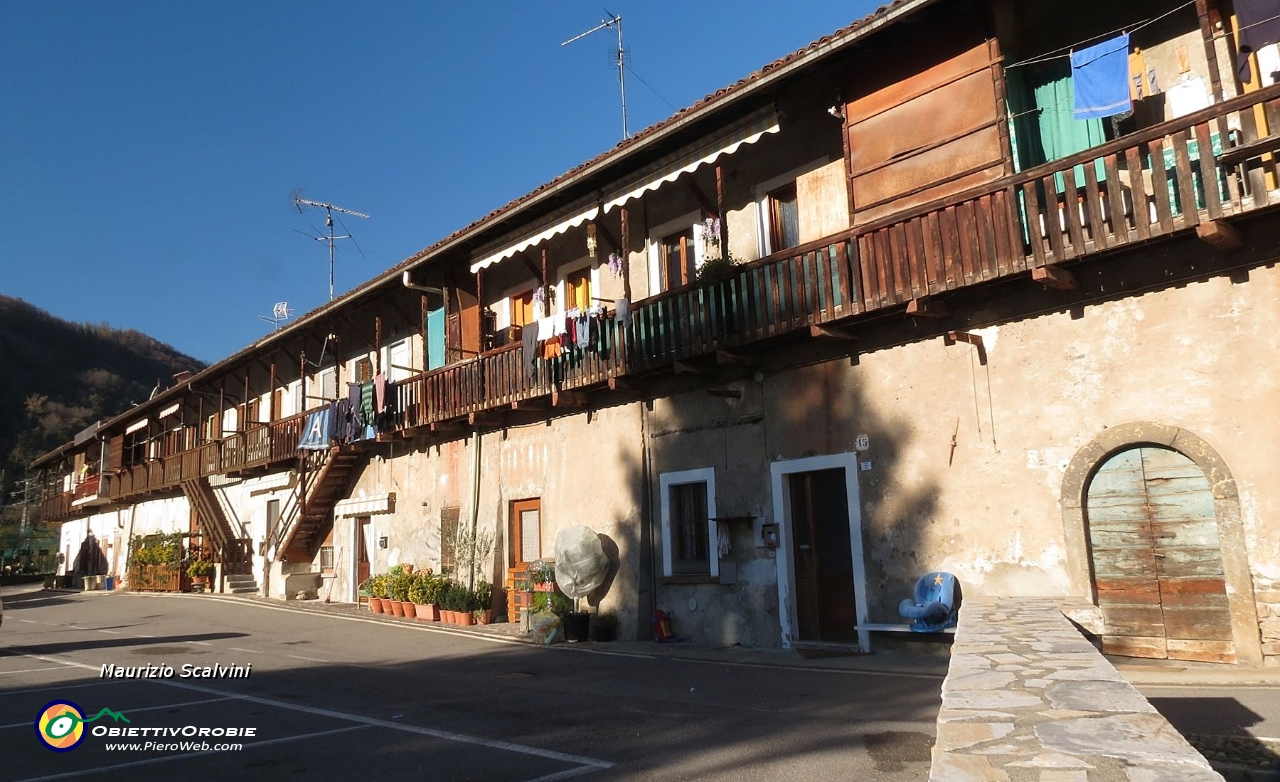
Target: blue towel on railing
{"x":1100,"y":76}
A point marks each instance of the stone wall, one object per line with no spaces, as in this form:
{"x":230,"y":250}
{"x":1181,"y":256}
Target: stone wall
{"x":1029,"y":698}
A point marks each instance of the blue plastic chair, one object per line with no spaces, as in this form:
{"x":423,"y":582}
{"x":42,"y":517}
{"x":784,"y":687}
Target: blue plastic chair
{"x":935,"y":605}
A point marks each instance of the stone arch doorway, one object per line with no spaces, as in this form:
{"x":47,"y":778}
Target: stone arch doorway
{"x":1154,"y":537}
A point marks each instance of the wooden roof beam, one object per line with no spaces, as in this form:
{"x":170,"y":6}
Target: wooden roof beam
{"x":1219,"y":234}
{"x":831,"y":332}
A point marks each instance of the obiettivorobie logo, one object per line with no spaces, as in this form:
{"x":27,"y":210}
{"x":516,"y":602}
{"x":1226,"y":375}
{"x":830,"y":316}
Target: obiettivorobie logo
{"x":60,"y":724}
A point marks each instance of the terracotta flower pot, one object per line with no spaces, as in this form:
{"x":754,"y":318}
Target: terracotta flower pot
{"x":397,"y":608}
{"x":428,"y":612}
{"x":375,"y":605}
{"x":484,"y":618}
{"x":450,"y":616}
{"x":464,"y":618}
{"x":410,"y":610}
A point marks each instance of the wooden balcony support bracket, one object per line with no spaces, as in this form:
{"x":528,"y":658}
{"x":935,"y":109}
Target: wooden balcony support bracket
{"x":684,"y":368}
{"x":699,"y":196}
{"x":533,"y":267}
{"x":969,"y":338}
{"x":530,"y":404}
{"x":831,"y":332}
{"x":725,"y":393}
{"x":926,"y":308}
{"x":1219,"y":234}
{"x":1055,"y":277}
{"x":568,"y":398}
{"x":625,"y":386}
{"x":725,"y":357}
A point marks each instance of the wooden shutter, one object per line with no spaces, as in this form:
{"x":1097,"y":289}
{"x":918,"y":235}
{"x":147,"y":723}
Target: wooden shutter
{"x":115,"y":453}
{"x":926,"y":132}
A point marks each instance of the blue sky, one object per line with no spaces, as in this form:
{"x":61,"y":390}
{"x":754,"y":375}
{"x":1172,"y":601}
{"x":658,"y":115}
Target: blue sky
{"x":148,"y":150}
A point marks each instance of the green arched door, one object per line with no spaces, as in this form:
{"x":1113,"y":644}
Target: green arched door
{"x":1157,"y":561}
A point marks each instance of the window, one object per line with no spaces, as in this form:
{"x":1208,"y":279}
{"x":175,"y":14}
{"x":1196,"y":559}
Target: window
{"x":784,"y":218}
{"x":689,"y":541}
{"x":329,"y":384}
{"x":326,"y":560}
{"x":273,"y":515}
{"x":677,"y":257}
{"x":364,"y":370}
{"x":522,"y":308}
{"x":577,"y":289}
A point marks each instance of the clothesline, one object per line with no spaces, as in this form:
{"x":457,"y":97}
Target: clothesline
{"x":1054,"y":54}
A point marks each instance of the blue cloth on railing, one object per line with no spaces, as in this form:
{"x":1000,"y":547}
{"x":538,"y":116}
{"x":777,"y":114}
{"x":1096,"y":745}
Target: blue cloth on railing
{"x":1100,"y":76}
{"x":315,"y":436}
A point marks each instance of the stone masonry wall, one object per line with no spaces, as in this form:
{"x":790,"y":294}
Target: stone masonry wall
{"x":1029,"y":699}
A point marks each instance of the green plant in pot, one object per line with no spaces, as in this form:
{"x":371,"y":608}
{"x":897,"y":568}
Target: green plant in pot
{"x":553,"y":602}
{"x":377,"y":593}
{"x":199,"y":572}
{"x":398,"y":590}
{"x":482,"y":600}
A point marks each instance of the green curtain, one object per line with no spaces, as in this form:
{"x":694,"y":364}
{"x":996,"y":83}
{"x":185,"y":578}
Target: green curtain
{"x":1041,"y":103}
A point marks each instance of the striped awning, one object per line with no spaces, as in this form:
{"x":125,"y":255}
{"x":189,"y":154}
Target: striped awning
{"x":366,"y":506}
{"x":524,"y":244}
{"x":748,"y":131}
{"x":137,"y":426}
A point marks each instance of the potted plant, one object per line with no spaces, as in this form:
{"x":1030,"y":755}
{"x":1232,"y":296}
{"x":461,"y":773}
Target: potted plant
{"x":397,"y":590}
{"x":199,"y":572}
{"x":604,"y":627}
{"x":543,"y":575}
{"x":483,"y":603}
{"x":466,"y":602}
{"x":377,"y":591}
{"x":433,"y":588}
{"x":420,"y":595}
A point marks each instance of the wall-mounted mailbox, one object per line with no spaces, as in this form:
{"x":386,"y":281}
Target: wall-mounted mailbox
{"x":769,"y":534}
{"x":382,"y":542}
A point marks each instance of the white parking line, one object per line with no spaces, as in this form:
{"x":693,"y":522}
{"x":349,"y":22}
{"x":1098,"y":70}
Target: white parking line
{"x":200,"y":643}
{"x":110,"y":632}
{"x":188,"y":755}
{"x":241,"y":649}
{"x":140,"y":635}
{"x":30,"y":621}
{"x":34,"y":670}
{"x":303,"y":657}
{"x":27,"y":724}
{"x":58,"y":687}
{"x":462,"y":738}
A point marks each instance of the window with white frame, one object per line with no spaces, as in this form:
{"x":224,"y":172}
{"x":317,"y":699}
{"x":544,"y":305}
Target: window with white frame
{"x":689,"y":541}
{"x":778,"y":210}
{"x":676,"y":252}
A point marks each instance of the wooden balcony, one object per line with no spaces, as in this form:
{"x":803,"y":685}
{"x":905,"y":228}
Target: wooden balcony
{"x":1181,"y":176}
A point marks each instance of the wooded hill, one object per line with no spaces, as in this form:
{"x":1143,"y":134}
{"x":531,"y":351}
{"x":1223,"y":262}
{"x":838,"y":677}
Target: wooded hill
{"x":57,"y":377}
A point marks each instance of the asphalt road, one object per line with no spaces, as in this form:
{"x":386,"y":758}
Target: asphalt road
{"x":340,"y":698}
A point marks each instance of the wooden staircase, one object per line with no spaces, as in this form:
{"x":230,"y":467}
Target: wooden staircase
{"x":326,"y":480}
{"x":233,"y":552}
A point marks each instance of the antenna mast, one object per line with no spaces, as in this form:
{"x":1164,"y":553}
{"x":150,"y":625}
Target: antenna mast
{"x":615,"y":22}
{"x":329,"y":209}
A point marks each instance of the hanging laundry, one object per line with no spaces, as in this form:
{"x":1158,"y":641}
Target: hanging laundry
{"x":622,"y":312}
{"x":337,"y":419}
{"x":1100,"y":77}
{"x":380,"y":391}
{"x":1259,"y":26}
{"x":368,"y":399}
{"x":315,"y":435}
{"x":551,"y":349}
{"x":529,"y":357}
{"x":546,"y":329}
{"x":387,"y":417}
{"x":582,"y":331}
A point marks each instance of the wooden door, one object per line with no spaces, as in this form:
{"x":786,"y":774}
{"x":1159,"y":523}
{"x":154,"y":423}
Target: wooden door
{"x":526,"y":532}
{"x":362,"y":550}
{"x":822,"y":557}
{"x":1157,"y":561}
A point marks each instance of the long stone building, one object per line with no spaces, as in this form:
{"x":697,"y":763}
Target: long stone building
{"x":894,"y":303}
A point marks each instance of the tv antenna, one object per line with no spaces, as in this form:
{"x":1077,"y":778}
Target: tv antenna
{"x":614,"y":22}
{"x":329,"y":209}
{"x":280,"y":312}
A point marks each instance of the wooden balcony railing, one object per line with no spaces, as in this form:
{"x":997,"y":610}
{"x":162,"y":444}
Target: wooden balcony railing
{"x":1160,"y":181}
